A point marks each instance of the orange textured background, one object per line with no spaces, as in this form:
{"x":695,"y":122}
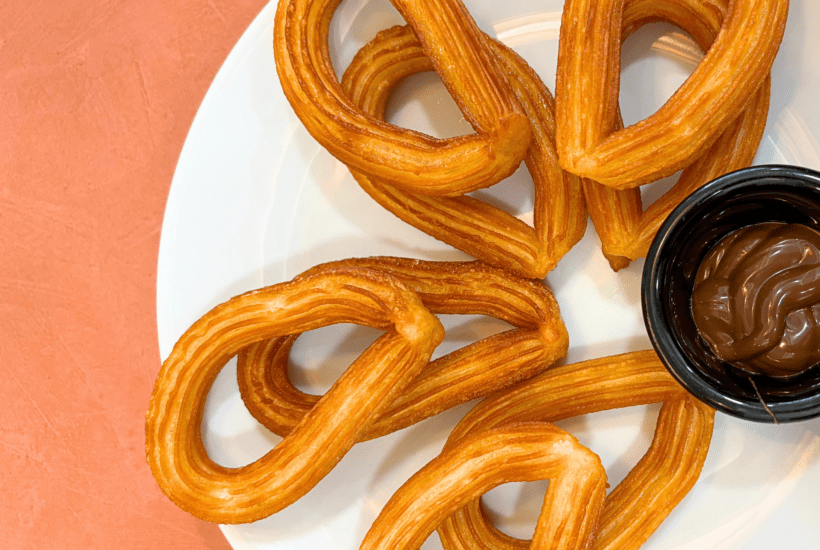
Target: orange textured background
{"x":97,"y":98}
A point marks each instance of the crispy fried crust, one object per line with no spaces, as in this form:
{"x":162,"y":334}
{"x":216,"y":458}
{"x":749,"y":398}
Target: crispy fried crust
{"x":174,"y":448}
{"x":625,"y":229}
{"x":457,"y":49}
{"x":640,"y":503}
{"x":479,"y":229}
{"x":481,"y":461}
{"x":537,"y":341}
{"x":711,"y":99}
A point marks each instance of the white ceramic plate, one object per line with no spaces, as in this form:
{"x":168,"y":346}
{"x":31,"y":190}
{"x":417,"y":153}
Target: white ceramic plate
{"x":255,"y":201}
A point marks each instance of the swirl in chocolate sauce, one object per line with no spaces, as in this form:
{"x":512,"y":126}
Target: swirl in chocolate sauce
{"x":756,"y":299}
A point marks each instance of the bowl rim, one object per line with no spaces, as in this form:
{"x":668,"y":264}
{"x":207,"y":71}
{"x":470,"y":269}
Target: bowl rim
{"x":676,"y":362}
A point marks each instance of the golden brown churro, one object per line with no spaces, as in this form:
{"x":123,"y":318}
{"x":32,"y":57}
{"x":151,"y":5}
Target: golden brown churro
{"x":174,"y":446}
{"x":537,"y":341}
{"x":481,"y":461}
{"x":481,"y":230}
{"x":625,"y":229}
{"x":640,"y":503}
{"x":710,"y":100}
{"x":457,"y":49}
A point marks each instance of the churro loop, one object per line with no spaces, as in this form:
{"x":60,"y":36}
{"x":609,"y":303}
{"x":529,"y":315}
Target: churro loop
{"x":710,"y":100}
{"x":481,"y":461}
{"x":174,"y":446}
{"x":537,"y":341}
{"x":481,"y":230}
{"x":660,"y":480}
{"x":625,"y":229}
{"x":457,"y":49}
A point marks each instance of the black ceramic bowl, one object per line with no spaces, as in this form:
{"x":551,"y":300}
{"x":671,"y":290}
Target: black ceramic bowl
{"x":753,"y":195}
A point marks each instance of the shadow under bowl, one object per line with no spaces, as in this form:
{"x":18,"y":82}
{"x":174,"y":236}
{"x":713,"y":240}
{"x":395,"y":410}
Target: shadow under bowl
{"x":754,"y":195}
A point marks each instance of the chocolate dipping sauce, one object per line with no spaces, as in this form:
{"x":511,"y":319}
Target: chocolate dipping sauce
{"x":756,"y":299}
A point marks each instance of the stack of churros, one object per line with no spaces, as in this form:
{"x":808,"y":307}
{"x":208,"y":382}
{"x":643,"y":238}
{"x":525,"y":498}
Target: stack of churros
{"x":581,"y":159}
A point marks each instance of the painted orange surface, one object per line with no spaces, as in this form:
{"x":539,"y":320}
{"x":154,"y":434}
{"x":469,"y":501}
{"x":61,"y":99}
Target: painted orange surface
{"x":97,"y":97}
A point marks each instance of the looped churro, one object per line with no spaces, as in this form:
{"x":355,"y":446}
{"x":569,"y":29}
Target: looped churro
{"x":710,"y":100}
{"x":479,"y":462}
{"x":625,"y":229}
{"x":457,"y":49}
{"x":481,"y":230}
{"x":537,"y":341}
{"x":174,"y":446}
{"x":640,"y":503}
